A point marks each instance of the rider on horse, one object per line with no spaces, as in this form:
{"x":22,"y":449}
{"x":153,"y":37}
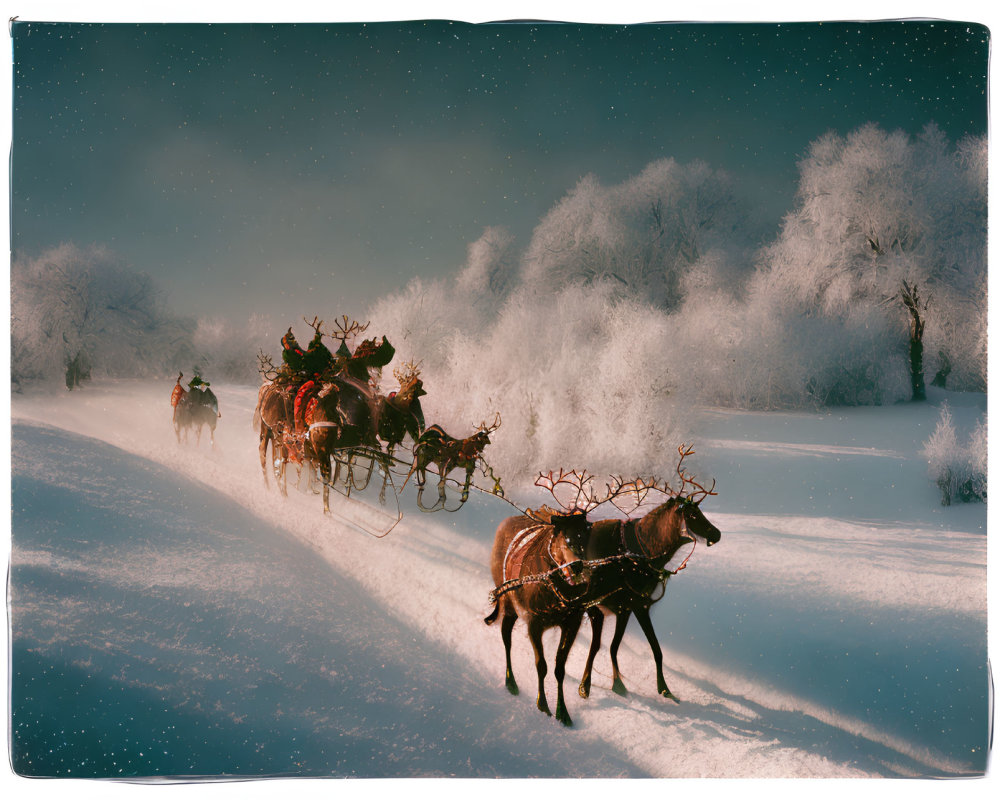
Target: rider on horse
{"x":199,"y":393}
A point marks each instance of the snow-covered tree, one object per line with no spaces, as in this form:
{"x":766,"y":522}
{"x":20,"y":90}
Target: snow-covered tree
{"x":228,"y":350}
{"x":889,"y":221}
{"x":959,"y":470}
{"x":645,"y":235}
{"x":490,"y":269}
{"x":73,"y":306}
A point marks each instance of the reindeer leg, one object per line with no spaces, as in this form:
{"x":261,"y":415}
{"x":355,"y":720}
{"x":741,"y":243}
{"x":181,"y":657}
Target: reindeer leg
{"x":264,"y":436}
{"x":385,"y":483}
{"x":642,"y":614}
{"x":617,"y":686}
{"x":596,"y":626}
{"x":282,"y":459}
{"x":327,"y":474}
{"x":506,"y":626}
{"x":535,"y":636}
{"x":569,"y":629}
{"x":468,"y":483}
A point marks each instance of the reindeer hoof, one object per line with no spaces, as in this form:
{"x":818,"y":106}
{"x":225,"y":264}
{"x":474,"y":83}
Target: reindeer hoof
{"x":563,"y":716}
{"x":584,"y":691}
{"x":512,"y":686}
{"x":669,"y":695}
{"x":619,"y":688}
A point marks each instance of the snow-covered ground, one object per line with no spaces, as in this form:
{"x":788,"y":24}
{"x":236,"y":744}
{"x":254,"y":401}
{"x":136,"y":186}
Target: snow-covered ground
{"x":173,"y":616}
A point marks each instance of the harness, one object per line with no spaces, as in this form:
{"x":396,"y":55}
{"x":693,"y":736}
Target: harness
{"x":568,"y":572}
{"x":641,"y":561}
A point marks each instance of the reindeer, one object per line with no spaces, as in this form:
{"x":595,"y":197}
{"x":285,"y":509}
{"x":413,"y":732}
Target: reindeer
{"x":551,"y":568}
{"x":641,"y":579}
{"x":447,"y":453}
{"x":400,"y":413}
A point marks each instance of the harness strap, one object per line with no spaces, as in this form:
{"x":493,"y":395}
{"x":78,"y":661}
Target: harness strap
{"x":638,"y":561}
{"x":520,"y":542}
{"x":321,"y":424}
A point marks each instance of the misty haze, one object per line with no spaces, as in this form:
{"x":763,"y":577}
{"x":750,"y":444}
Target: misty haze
{"x":702,"y":240}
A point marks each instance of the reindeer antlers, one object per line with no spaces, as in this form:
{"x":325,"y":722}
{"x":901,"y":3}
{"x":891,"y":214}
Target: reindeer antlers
{"x":316,"y":324}
{"x":687,"y":481}
{"x":489,"y":428}
{"x":406,"y":372}
{"x":578,"y":493}
{"x":265,"y":366}
{"x":346,"y":328}
{"x":578,"y":483}
{"x":574,"y":490}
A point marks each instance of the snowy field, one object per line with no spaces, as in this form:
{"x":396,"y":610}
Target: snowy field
{"x":171,"y":616}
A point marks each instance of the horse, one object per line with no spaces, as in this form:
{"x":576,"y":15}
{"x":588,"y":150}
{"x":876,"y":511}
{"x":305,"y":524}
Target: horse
{"x":196,"y":408}
{"x":272,"y":418}
{"x":647,"y":544}
{"x":525,"y":546}
{"x":447,"y":453}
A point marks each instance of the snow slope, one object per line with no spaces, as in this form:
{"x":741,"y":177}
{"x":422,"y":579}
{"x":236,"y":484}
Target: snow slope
{"x":172,"y":616}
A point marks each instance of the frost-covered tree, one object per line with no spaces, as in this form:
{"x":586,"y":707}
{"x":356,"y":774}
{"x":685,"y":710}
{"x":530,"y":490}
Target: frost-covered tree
{"x":78,"y":306}
{"x":228,"y":351}
{"x":895,"y":222}
{"x":645,"y":235}
{"x":490,"y":269}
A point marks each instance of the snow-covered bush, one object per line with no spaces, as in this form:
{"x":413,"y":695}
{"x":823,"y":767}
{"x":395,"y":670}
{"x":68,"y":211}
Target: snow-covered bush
{"x":580,"y":376}
{"x":959,"y":470}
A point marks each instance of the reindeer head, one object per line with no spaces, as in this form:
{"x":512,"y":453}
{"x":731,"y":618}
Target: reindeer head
{"x":408,"y":375}
{"x":689,"y":499}
{"x":482,"y":434}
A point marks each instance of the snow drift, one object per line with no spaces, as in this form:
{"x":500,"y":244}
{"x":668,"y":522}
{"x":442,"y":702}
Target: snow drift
{"x":170,"y":617}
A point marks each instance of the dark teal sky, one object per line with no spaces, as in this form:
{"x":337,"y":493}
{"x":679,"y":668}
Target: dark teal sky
{"x":309,"y":169}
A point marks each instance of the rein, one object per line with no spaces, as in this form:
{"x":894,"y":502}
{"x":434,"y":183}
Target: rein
{"x":640,"y":561}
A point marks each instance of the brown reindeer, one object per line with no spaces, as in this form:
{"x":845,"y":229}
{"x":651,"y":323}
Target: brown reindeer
{"x":551,"y":571}
{"x":677,"y":521}
{"x":399,"y":412}
{"x":272,"y":419}
{"x":528,"y":546}
{"x":447,"y":453}
{"x":341,"y":418}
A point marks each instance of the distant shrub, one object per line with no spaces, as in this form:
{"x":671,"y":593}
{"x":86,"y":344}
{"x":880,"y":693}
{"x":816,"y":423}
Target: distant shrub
{"x":958,"y":470}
